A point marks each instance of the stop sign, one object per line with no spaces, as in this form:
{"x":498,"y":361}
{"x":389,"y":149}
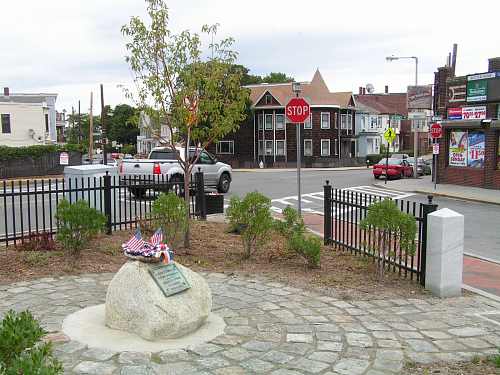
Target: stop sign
{"x":297,"y":110}
{"x":436,"y":130}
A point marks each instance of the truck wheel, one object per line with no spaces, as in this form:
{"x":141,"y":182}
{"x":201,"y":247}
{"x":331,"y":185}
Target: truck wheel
{"x":177,"y":186}
{"x":224,"y":183}
{"x":137,"y":192}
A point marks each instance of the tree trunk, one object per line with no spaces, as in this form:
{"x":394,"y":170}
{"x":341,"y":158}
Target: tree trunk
{"x":187,"y":180}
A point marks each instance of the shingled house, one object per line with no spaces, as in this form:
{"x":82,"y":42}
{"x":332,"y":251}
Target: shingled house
{"x":328,"y":137}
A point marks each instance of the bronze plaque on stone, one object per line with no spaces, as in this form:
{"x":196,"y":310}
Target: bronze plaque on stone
{"x":169,"y":279}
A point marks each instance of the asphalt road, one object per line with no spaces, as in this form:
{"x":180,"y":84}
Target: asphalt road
{"x":482,"y":234}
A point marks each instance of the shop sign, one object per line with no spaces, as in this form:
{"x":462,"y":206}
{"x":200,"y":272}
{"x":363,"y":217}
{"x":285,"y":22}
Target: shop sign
{"x":477,"y":90}
{"x":419,"y":97}
{"x":476,"y":149}
{"x":458,"y":149}
{"x":456,"y":93}
{"x":474,"y":113}
{"x":454,"y":113}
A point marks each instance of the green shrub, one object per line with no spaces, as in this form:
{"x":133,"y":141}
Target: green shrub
{"x":21,"y":351}
{"x":495,"y":359}
{"x":36,"y":151}
{"x":128,"y":149}
{"x":307,"y":247}
{"x":291,"y":222}
{"x":77,"y":225}
{"x":374,"y":158}
{"x":36,"y":258}
{"x":170,"y":213}
{"x":253,"y":215}
{"x":392,"y":228}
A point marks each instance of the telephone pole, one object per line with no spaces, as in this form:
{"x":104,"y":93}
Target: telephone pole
{"x":104,"y":140}
{"x":91,"y":131}
{"x":79,"y":125}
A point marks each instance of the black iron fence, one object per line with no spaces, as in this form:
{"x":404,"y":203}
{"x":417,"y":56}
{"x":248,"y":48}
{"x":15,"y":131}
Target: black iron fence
{"x":28,"y":207}
{"x":343,"y":212}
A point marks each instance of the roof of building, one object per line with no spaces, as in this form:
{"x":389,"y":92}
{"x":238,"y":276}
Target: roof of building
{"x":393,"y":103}
{"x":25,"y":98}
{"x":363,"y":108}
{"x":315,"y":92}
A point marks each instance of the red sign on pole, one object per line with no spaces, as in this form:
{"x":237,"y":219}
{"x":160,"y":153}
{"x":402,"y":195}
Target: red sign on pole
{"x":297,"y":110}
{"x":436,"y":130}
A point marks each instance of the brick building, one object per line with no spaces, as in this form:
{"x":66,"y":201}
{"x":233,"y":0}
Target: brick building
{"x":327,"y":139}
{"x":470,"y":146}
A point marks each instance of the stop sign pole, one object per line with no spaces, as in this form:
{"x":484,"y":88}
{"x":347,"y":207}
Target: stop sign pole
{"x":436,"y":133}
{"x":297,"y":110}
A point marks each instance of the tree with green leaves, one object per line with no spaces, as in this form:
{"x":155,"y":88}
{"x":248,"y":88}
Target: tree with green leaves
{"x":276,"y":77}
{"x":123,"y":124}
{"x":199,"y":99}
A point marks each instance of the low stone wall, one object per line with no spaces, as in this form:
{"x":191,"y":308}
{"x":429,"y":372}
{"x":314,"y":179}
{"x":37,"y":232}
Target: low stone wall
{"x":47,"y":164}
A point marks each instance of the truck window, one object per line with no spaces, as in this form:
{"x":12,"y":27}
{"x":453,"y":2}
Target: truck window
{"x":165,"y":155}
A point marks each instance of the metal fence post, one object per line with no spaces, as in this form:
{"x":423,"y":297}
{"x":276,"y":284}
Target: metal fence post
{"x":107,"y":201}
{"x":201,"y":206}
{"x":427,"y":208}
{"x":327,"y":211}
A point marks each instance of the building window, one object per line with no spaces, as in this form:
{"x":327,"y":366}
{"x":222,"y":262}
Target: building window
{"x":260,"y":120}
{"x":260,"y":148}
{"x":5,"y":123}
{"x":269,"y":121}
{"x":379,"y":122}
{"x":373,"y":122}
{"x":308,"y":123}
{"x":280,"y":148}
{"x":308,"y":147}
{"x":336,"y":121}
{"x":280,"y":122}
{"x":336,"y":146}
{"x":269,"y":99}
{"x":269,"y":147}
{"x":343,"y":121}
{"x":363,"y":122}
{"x":349,"y":121}
{"x":225,"y":147}
{"x":325,"y":147}
{"x":46,"y":123}
{"x":325,"y":120}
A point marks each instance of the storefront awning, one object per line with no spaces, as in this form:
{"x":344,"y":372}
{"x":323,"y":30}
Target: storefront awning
{"x":495,"y":124}
{"x":462,"y":124}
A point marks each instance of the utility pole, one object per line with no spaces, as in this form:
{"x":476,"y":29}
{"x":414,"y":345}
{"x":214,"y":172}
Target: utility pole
{"x":91,"y":130}
{"x":104,"y":140}
{"x":79,"y":125}
{"x":415,"y":135}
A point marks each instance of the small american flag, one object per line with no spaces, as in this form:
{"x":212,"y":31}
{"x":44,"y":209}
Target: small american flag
{"x":156,"y":238}
{"x":135,"y":243}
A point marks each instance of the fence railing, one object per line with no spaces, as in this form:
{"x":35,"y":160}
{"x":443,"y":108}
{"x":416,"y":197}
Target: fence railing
{"x":343,"y":212}
{"x":28,"y":208}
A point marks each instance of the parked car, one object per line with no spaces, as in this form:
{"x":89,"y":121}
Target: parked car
{"x":392,"y":168}
{"x":428,"y":167}
{"x":420,"y":165}
{"x":162,"y":161}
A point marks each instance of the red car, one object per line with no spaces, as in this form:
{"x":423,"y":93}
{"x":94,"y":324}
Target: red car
{"x":392,"y":168}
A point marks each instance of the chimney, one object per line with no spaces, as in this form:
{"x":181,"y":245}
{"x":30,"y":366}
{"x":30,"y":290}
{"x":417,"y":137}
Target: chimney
{"x":6,"y":91}
{"x":454,"y":58}
{"x":364,"y":91}
{"x":386,"y":89}
{"x":494,"y":64}
{"x":360,"y":90}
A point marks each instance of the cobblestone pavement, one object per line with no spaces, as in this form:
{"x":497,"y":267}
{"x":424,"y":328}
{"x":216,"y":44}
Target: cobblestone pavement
{"x":276,"y":329}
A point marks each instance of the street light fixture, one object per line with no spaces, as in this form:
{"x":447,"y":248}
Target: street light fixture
{"x":296,"y":88}
{"x":415,"y":132}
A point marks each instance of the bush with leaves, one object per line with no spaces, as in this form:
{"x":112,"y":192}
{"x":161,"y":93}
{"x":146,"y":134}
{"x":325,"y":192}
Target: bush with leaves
{"x":77,"y":225}
{"x":293,"y":229}
{"x":253,"y":215}
{"x":392,"y":228}
{"x":169,"y":213}
{"x":21,"y":351}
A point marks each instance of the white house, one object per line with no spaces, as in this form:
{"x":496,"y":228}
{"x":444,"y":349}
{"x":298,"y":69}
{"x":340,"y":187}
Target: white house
{"x":148,"y":137}
{"x":27,"y":119}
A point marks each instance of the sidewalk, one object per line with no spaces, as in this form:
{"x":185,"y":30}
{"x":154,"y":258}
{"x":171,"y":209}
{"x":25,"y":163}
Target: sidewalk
{"x":424,"y":185}
{"x":479,"y":274}
{"x":274,"y":170}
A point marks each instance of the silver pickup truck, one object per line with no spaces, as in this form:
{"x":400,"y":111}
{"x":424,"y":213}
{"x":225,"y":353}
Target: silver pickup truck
{"x":162,"y":161}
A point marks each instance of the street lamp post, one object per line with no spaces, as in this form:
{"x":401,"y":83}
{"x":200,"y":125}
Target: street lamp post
{"x":297,"y":89}
{"x":415,"y":130}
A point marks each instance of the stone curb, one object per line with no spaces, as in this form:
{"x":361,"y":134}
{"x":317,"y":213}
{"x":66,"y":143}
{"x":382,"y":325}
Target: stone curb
{"x":264,"y":170}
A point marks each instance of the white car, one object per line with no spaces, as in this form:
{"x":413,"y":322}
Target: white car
{"x":162,"y":161}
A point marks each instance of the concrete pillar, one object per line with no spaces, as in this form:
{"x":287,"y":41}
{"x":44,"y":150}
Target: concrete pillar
{"x":445,"y":247}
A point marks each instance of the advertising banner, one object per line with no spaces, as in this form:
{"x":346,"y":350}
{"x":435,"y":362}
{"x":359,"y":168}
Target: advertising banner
{"x":458,"y":149}
{"x":419,"y":97}
{"x":456,"y":93}
{"x":477,"y":90}
{"x":474,"y":113}
{"x":454,"y":113}
{"x":475,"y":154}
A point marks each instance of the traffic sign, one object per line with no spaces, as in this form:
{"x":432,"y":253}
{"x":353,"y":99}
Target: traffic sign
{"x":297,"y":110}
{"x":435,"y":148}
{"x":436,"y":130}
{"x":390,"y":135}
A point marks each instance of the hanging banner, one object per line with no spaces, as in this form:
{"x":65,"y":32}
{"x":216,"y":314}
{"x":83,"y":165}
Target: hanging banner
{"x":477,"y":90}
{"x":476,"y":149}
{"x":458,"y":149}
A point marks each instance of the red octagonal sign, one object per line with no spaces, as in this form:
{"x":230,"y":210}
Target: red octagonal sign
{"x":297,"y":110}
{"x":436,"y":130}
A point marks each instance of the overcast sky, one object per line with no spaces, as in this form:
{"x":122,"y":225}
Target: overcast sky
{"x":70,"y":46}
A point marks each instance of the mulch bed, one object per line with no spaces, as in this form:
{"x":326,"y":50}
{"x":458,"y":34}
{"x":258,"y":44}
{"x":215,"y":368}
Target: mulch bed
{"x":341,"y":274}
{"x":479,"y":367}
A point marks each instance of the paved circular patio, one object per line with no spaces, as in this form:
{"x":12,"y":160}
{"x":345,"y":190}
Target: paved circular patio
{"x":276,"y":329}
